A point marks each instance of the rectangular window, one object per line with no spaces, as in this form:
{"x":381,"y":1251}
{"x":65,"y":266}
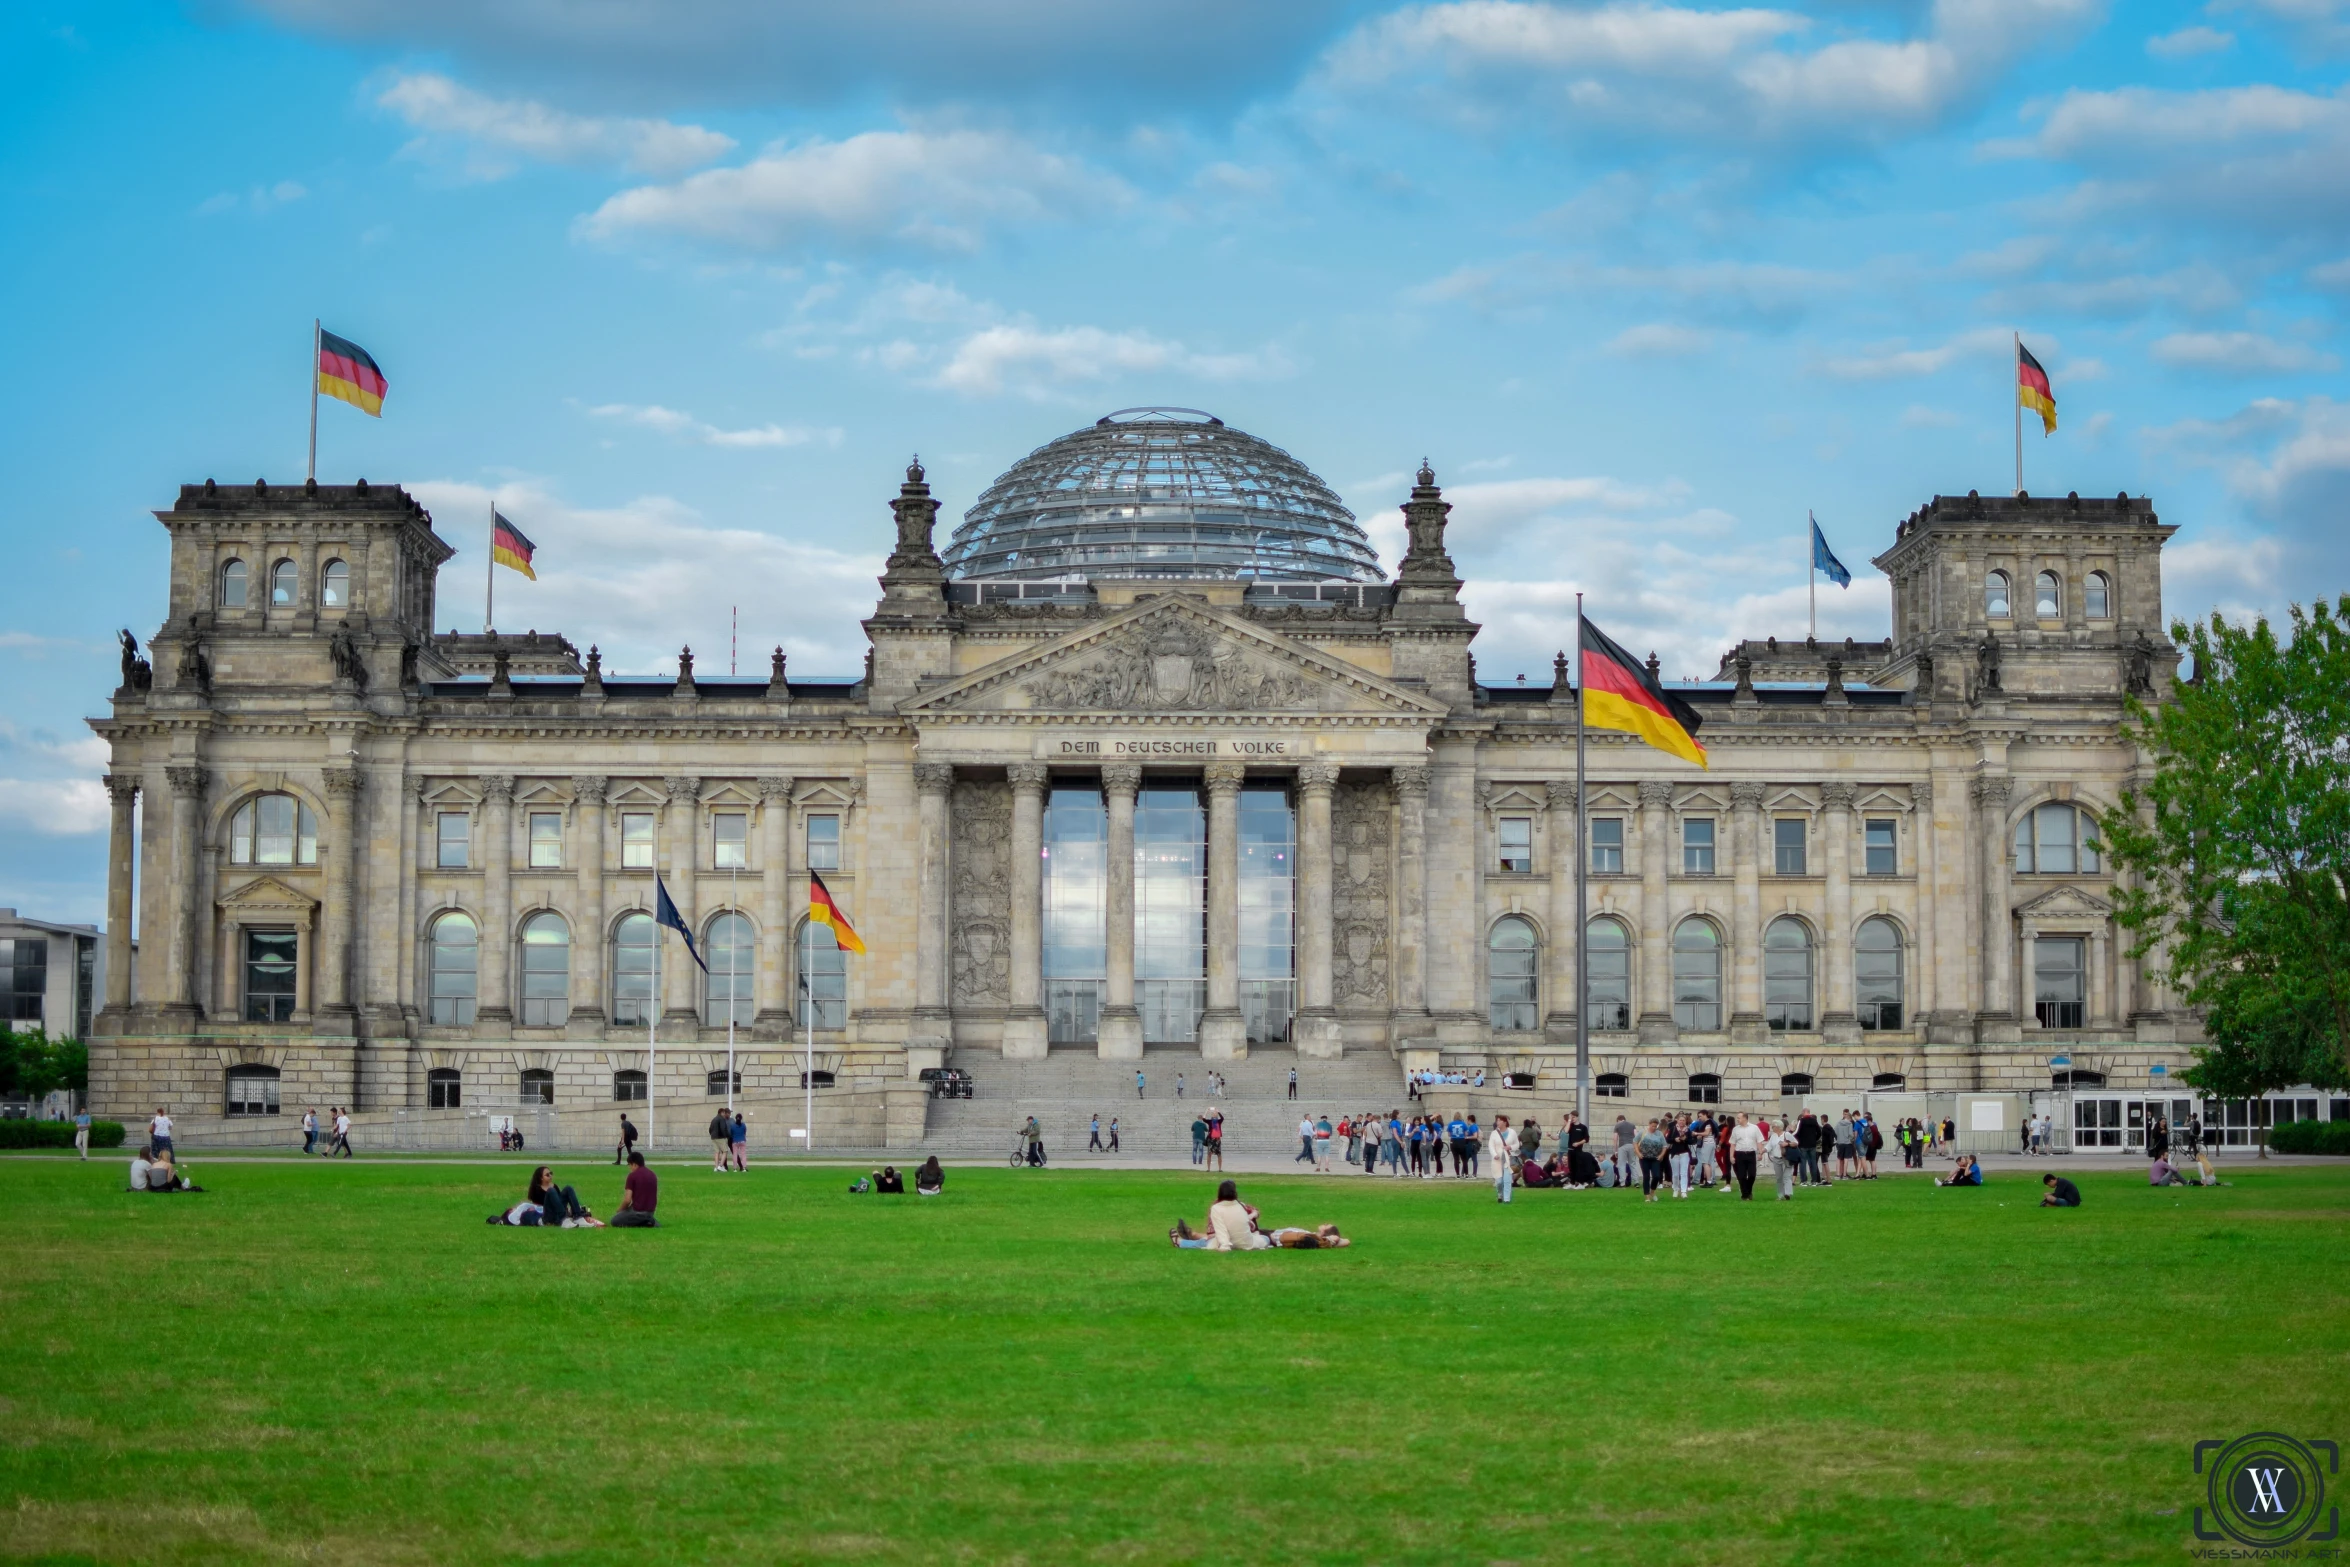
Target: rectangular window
{"x":2060,"y":982}
{"x":636,"y":840}
{"x":1517,"y":843}
{"x":1607,"y":845}
{"x":729,"y":840}
{"x":269,"y":975}
{"x":1787,"y":845}
{"x":27,"y":971}
{"x":1697,"y":846}
{"x":1884,"y":858}
{"x":1268,"y":899}
{"x":824,"y":843}
{"x":546,"y":840}
{"x":456,"y":839}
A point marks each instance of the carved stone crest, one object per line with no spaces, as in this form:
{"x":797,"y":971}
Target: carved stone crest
{"x":980,"y":819}
{"x":1361,"y":843}
{"x":1168,"y":666}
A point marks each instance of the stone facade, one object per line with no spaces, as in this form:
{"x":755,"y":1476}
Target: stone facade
{"x":374,"y":857}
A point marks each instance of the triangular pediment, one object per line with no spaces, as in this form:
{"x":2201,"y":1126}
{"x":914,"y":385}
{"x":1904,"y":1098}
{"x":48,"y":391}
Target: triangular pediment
{"x":1173,"y":655}
{"x":267,"y":892}
{"x":2065,"y":903}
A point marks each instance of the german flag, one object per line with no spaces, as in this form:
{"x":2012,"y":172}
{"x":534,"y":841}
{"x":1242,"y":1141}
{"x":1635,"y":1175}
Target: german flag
{"x":823,"y":911}
{"x":1619,"y":693}
{"x":508,"y":547}
{"x":2032,"y":389}
{"x":346,"y":370}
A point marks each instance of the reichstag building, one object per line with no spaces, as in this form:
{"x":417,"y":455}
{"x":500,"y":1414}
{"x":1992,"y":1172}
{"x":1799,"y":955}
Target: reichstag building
{"x":1153,"y":755}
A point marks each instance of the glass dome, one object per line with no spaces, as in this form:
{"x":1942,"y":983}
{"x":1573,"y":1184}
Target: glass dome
{"x":1160,"y":492}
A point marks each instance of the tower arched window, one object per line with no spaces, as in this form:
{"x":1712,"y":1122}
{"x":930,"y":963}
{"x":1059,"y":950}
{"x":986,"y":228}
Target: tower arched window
{"x":273,"y":829}
{"x":734,"y":968}
{"x":232,"y":585}
{"x":1787,"y":975}
{"x":1512,"y":954}
{"x":546,"y":971}
{"x":455,"y":970}
{"x":283,"y":584}
{"x":2097,"y":596}
{"x":1995,"y":601}
{"x":632,"y":969}
{"x":1697,"y":976}
{"x":1607,"y":965}
{"x":334,"y":585}
{"x":2057,"y":839}
{"x":1876,"y":974}
{"x":2047,"y":596}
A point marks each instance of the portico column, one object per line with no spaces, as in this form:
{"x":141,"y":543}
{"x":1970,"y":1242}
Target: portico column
{"x":497,"y":914}
{"x":1566,"y":1008}
{"x":1656,"y":994}
{"x":342,"y":871}
{"x":587,"y":939}
{"x":1316,"y":1032}
{"x":1838,"y":1024}
{"x":1746,"y":1019}
{"x":776,"y":992}
{"x":121,"y":848}
{"x":1025,"y":1034}
{"x":1120,"y":1038}
{"x":187,"y":853}
{"x":1411,"y":904}
{"x":1925,"y":1000}
{"x":1223,"y":1035}
{"x":680,"y":825}
{"x":933,"y":781}
{"x":1997,"y":1015}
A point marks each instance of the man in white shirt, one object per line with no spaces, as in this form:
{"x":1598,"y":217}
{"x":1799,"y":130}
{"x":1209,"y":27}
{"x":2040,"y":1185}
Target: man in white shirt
{"x":159,"y":1131}
{"x":1746,"y":1140}
{"x":1305,"y":1140}
{"x":1501,"y":1146}
{"x":342,"y":1134}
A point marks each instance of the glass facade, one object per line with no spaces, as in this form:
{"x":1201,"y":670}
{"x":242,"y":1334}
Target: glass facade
{"x":546,"y":971}
{"x":1170,"y":912}
{"x":1787,"y":975}
{"x":1697,"y":977}
{"x":1607,"y":993}
{"x":2060,"y":982}
{"x":632,"y":969}
{"x":1268,"y":913}
{"x":1076,"y":912}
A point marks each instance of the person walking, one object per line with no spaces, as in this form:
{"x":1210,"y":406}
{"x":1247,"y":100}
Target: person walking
{"x":1474,"y":1145}
{"x":1502,"y":1147}
{"x":1305,"y":1140}
{"x":309,"y":1132}
{"x":159,"y":1131}
{"x":721,"y":1138}
{"x":1652,"y":1160}
{"x":1746,"y":1140}
{"x":342,"y":1143}
{"x":1138,"y":1082}
{"x":1677,"y":1147}
{"x":738,"y":1143}
{"x":81,"y":1133}
{"x":1846,"y":1167}
{"x":1199,"y":1139}
{"x":1032,"y":1139}
{"x":1627,"y":1135}
{"x":1113,"y":1134}
{"x":1093,"y":1144}
{"x":1781,"y":1144}
{"x":627,"y":1139}
{"x":1293,"y":1082}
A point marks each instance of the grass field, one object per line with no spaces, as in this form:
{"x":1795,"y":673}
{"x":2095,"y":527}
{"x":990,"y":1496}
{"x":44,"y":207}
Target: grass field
{"x":344,"y":1363}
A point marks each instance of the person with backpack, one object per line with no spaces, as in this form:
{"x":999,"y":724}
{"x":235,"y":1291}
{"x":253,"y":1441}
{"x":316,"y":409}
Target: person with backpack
{"x":627,"y":1140}
{"x":721,"y":1139}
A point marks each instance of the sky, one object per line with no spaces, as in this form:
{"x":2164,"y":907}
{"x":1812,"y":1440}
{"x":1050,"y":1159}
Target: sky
{"x":682,"y":288}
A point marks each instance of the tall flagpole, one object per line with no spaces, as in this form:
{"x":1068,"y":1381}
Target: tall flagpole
{"x":1582,"y":914}
{"x":732,"y":876}
{"x":1811,"y":570}
{"x":489,"y":594}
{"x":314,"y":343}
{"x":653,"y":1021}
{"x":2015,"y":374}
{"x":808,"y":1057}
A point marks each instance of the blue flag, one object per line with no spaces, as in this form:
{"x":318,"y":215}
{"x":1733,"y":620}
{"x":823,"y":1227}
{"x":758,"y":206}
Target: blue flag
{"x":665,"y":913}
{"x":1824,"y":558}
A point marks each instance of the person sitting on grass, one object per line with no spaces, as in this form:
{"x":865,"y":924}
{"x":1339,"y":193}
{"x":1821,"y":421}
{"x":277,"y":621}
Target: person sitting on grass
{"x":640,"y":1194}
{"x":1232,"y":1226}
{"x":888,"y":1180}
{"x":2162,"y":1173}
{"x":159,"y":1174}
{"x":2061,"y":1192}
{"x":930,"y":1180}
{"x":1964,"y":1173}
{"x":558,"y":1205}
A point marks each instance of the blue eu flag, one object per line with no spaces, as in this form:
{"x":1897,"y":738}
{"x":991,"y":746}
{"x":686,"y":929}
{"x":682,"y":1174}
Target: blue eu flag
{"x":1824,"y":558}
{"x":665,"y":913}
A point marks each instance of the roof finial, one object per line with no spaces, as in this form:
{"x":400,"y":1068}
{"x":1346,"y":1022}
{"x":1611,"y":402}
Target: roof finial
{"x":1427,"y":475}
{"x":914,"y":470}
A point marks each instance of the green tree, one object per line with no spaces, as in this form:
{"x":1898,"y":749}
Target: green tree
{"x":2240,"y":847}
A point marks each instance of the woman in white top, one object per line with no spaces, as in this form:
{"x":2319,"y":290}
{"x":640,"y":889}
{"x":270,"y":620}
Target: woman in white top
{"x":1231,"y":1226}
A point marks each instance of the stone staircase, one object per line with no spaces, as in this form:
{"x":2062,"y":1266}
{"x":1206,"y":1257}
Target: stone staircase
{"x":1065,"y":1090}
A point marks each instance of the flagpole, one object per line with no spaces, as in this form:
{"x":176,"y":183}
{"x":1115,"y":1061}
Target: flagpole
{"x":808,"y":1056}
{"x":732,"y":876}
{"x":314,"y":342}
{"x":653,"y":1022}
{"x":1811,"y":571}
{"x":1582,"y":914}
{"x":489,"y":595}
{"x":2015,"y":373}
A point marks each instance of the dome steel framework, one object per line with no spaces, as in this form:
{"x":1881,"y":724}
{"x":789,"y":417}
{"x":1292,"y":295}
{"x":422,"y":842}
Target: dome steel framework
{"x":1160,"y":492}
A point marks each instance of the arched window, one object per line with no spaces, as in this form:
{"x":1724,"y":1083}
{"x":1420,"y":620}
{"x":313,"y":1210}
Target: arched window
{"x":1793,"y":1085}
{"x":1510,"y":958}
{"x":1611,"y":1085}
{"x":537,"y":1086}
{"x":1705,"y":1089}
{"x":232,"y":585}
{"x":1607,"y":961}
{"x":717,"y":1084}
{"x":1787,"y":975}
{"x":546,"y":971}
{"x":282,"y":583}
{"x":1995,"y":605}
{"x":734,"y":967}
{"x":1889,"y":1082}
{"x":2047,"y":597}
{"x":444,"y":1089}
{"x":1697,"y":977}
{"x":2098,"y":596}
{"x":2062,"y":1078}
{"x":632,"y":969}
{"x":252,"y":1090}
{"x":824,"y":978}
{"x":456,"y":969}
{"x":2057,"y":839}
{"x":1876,"y":974}
{"x":273,"y":829}
{"x":334,"y":585}
{"x":628,"y":1085}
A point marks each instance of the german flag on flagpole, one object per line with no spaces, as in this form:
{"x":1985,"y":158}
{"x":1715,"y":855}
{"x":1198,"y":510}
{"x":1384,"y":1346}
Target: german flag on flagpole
{"x":2032,"y":389}
{"x":346,"y":370}
{"x":823,"y":911}
{"x":508,"y":547}
{"x":1619,"y":693}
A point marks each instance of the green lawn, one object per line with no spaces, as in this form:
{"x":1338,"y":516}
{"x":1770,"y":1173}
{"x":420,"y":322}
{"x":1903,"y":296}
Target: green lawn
{"x":342,"y":1362}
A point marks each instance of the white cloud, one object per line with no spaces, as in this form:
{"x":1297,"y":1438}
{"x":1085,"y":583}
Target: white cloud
{"x":2268,"y":156}
{"x":2238,"y":353}
{"x":259,"y":199}
{"x":1727,"y":291}
{"x":685,"y":427}
{"x":1036,"y":361}
{"x":1917,"y":416}
{"x":2322,"y":24}
{"x":442,"y":108}
{"x":59,"y":806}
{"x":2334,"y":274}
{"x":1660,"y":340}
{"x":941,"y":190}
{"x":1890,"y":360}
{"x":2288,"y":461}
{"x":2188,"y":42}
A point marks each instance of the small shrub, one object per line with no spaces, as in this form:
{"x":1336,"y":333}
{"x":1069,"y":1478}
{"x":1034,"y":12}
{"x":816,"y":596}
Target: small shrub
{"x":2310,"y":1137}
{"x":59,"y":1134}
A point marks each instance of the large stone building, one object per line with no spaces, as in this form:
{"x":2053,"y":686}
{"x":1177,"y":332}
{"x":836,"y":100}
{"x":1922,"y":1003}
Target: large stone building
{"x":1155,"y":756}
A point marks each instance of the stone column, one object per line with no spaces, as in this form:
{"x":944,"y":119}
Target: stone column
{"x":1025,"y":1034}
{"x":1316,"y":1032}
{"x":1832,"y":974}
{"x":187,"y":854}
{"x":342,"y":874}
{"x":933,"y":1023}
{"x":2100,"y":956}
{"x":1223,"y":1036}
{"x":1996,"y":1017}
{"x":1746,"y":848}
{"x":777,"y":992}
{"x":681,"y":824}
{"x":1656,"y":933}
{"x":1921,"y":994}
{"x":588,"y":931}
{"x":1120,"y":1038}
{"x":1411,"y":904}
{"x":122,"y":790}
{"x":1566,"y":842}
{"x":496,"y":1004}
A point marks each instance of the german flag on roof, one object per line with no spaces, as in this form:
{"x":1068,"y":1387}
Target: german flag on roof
{"x":345,"y":370}
{"x":1619,"y":693}
{"x":2032,"y":388}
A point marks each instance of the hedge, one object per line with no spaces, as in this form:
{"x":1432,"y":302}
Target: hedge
{"x":2310,"y":1137}
{"x":57,"y":1134}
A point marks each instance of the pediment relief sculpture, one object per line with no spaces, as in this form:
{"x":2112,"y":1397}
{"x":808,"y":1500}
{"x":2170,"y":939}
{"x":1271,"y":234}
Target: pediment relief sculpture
{"x":2065,"y":903}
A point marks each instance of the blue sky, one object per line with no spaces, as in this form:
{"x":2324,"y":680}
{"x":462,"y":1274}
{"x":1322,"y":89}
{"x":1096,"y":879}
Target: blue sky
{"x":1644,"y":281}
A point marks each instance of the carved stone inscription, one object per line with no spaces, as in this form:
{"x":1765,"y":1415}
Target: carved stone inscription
{"x":1361,"y":849}
{"x":980,"y":819}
